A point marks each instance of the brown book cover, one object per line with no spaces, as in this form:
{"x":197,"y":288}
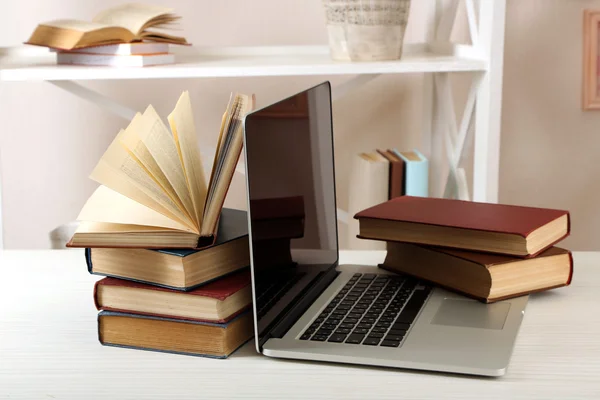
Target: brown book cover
{"x":464,"y":216}
{"x":396,"y":185}
{"x":481,"y":275}
{"x":220,"y":289}
{"x":197,"y":338}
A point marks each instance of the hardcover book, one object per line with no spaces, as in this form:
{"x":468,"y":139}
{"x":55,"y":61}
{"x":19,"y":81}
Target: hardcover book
{"x":121,"y":24}
{"x":154,"y":193}
{"x":180,"y":269}
{"x":217,"y":301}
{"x":486,"y":277}
{"x":396,"y":178}
{"x":171,"y":335}
{"x":122,"y":49}
{"x":416,"y":173}
{"x":141,"y":60}
{"x":494,"y":228}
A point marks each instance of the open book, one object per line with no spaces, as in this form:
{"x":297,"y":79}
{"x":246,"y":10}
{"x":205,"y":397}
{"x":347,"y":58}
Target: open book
{"x":122,"y":24}
{"x":153,"y":191}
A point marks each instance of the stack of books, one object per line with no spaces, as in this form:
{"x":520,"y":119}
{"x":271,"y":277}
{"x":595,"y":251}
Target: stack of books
{"x":382,"y":175}
{"x":122,"y":36}
{"x":176,"y":260}
{"x":486,"y":251}
{"x":182,"y":301}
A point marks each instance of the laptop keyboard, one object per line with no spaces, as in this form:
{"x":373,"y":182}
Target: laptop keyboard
{"x":370,"y":310}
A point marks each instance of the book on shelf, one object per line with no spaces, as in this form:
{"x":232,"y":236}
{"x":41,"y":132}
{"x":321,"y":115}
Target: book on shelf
{"x":369,"y":182}
{"x":217,"y":301}
{"x":416,"y":172}
{"x":494,"y":228}
{"x":180,"y":269}
{"x":486,"y":277}
{"x":153,"y":192}
{"x":121,"y":49}
{"x":396,"y":173}
{"x":199,"y":338}
{"x":121,"y":24}
{"x":145,"y":60}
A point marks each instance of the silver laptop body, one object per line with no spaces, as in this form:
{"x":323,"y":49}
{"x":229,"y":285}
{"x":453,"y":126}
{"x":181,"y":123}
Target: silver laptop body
{"x":308,"y":307}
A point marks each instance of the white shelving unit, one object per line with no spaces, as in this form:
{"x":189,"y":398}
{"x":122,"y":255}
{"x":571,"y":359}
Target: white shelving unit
{"x":437,"y":58}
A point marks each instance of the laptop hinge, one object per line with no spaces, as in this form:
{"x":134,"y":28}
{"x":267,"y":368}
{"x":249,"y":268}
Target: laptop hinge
{"x":305,"y":301}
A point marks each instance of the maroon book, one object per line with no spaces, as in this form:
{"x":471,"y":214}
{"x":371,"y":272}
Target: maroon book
{"x":496,"y":228}
{"x":232,"y":294}
{"x":396,"y":180}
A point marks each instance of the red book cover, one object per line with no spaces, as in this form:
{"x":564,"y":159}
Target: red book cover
{"x":516,"y":220}
{"x":219,"y":289}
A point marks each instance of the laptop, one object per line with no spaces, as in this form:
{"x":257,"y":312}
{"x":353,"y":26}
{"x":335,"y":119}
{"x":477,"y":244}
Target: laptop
{"x":309,"y":307}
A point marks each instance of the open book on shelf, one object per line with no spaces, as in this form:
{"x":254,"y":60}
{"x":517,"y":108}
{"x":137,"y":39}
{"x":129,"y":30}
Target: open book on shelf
{"x":154,"y":192}
{"x":122,"y":24}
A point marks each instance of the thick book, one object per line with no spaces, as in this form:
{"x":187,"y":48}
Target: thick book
{"x":180,"y":269}
{"x":494,"y":228}
{"x":154,"y":192}
{"x":369,"y":180}
{"x":416,"y":172}
{"x":486,"y":277}
{"x":217,"y":301}
{"x":140,"y":60}
{"x":170,"y":335}
{"x":396,"y":173}
{"x":122,"y":49}
{"x":121,"y":24}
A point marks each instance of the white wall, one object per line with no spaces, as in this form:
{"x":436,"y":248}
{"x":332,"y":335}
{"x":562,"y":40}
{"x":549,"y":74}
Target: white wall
{"x":50,"y":140}
{"x":550,"y":147}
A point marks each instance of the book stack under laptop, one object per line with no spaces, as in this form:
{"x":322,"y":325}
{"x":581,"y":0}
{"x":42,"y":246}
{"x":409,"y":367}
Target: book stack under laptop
{"x":176,"y":260}
{"x":486,"y":251}
{"x":122,"y":36}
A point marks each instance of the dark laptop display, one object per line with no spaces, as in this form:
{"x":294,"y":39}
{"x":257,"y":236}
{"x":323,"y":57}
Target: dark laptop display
{"x":292,"y":206}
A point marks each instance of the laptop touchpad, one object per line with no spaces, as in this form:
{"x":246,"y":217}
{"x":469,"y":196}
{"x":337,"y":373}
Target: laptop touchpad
{"x":471,"y":314}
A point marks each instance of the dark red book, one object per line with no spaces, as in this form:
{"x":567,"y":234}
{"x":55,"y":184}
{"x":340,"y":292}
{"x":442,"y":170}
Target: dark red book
{"x":396,"y":179}
{"x":494,"y":228}
{"x":218,"y":301}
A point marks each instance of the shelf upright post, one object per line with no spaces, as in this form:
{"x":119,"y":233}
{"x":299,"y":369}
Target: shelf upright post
{"x":486,"y":164}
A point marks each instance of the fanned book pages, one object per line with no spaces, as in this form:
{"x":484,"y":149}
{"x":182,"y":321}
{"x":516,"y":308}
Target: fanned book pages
{"x":126,"y":23}
{"x":154,"y":193}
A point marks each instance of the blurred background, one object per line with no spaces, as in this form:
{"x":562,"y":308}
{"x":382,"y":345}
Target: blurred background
{"x":50,"y":140}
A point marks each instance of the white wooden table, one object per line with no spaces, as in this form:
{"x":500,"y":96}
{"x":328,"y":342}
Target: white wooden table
{"x":49,"y":349}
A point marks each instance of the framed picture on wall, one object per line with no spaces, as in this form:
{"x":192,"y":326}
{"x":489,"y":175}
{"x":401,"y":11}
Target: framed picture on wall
{"x":591,"y":64}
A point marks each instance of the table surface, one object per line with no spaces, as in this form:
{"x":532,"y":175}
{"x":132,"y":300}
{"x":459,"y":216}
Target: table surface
{"x":49,"y":349}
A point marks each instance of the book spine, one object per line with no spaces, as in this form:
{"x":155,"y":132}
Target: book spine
{"x":96,"y":287}
{"x":397,"y":179}
{"x":88,"y":259}
{"x":571,"y":271}
{"x":417,"y":177}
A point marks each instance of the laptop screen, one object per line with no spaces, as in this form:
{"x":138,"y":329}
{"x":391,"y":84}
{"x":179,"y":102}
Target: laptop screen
{"x":292,"y":207}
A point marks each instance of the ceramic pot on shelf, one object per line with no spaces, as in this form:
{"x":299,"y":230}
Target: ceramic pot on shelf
{"x":366,"y":30}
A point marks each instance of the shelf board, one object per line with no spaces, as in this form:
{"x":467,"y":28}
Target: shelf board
{"x":37,"y":64}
